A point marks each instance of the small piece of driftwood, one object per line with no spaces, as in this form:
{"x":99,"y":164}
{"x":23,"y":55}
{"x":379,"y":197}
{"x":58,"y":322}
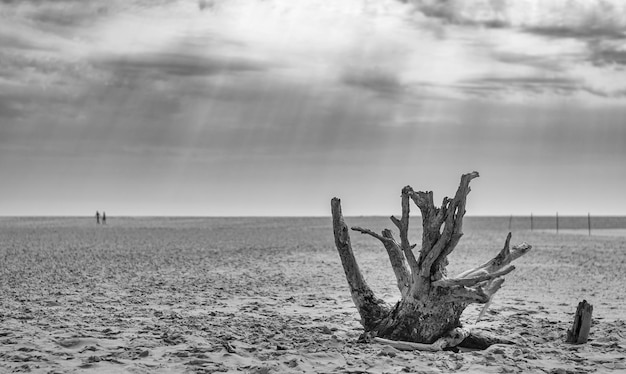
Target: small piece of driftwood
{"x":452,"y":339}
{"x":582,"y":323}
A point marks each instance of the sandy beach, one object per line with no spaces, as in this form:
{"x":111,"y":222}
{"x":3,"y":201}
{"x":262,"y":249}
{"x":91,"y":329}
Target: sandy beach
{"x":268,"y":295}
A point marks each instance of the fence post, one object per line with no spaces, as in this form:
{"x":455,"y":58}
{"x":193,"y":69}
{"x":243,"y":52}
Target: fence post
{"x":589,"y":222}
{"x":557,"y":222}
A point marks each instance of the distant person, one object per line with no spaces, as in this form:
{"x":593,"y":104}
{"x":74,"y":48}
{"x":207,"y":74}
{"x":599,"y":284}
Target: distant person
{"x":97,"y":217}
{"x":104,"y":218}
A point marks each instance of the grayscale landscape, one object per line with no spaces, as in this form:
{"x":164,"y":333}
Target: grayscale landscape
{"x":213,"y":136}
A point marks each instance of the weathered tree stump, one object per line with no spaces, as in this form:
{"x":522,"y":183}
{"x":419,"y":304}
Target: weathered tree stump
{"x":582,"y":324}
{"x":431,"y":304}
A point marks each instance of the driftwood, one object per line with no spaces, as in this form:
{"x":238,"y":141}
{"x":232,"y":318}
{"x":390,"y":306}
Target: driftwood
{"x":452,"y":339}
{"x":431,"y":302}
{"x":582,"y":324}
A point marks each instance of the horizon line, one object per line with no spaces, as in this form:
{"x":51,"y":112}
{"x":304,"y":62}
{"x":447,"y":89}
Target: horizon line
{"x":304,"y":216}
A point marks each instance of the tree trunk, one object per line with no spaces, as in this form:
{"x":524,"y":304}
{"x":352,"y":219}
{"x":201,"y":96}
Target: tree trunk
{"x":431,"y":303}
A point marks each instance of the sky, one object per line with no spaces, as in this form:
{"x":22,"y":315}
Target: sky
{"x":273,"y":107}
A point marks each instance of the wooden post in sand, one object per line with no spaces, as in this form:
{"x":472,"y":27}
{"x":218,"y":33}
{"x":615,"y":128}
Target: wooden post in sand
{"x":582,"y":323}
{"x":557,"y":222}
{"x":589,"y":222}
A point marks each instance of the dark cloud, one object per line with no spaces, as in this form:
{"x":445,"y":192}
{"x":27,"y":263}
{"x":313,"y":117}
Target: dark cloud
{"x":490,"y":15}
{"x":498,"y":86}
{"x":178,"y":64}
{"x":20,"y":42}
{"x":58,"y":13}
{"x":578,"y":20}
{"x":64,"y":15}
{"x":605,"y":93}
{"x":577,"y":32}
{"x":582,"y":20}
{"x":610,"y":57}
{"x":375,"y":80}
{"x":607,"y":53}
{"x":552,"y":63}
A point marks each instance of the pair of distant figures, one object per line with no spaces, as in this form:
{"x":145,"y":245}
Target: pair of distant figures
{"x":104,"y":218}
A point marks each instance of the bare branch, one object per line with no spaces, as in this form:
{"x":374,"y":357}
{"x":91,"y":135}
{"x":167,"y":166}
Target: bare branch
{"x":371,"y":233}
{"x":404,"y":230}
{"x":519,"y":250}
{"x":502,"y":259}
{"x":430,"y":234}
{"x":452,"y":231}
{"x":369,"y":306}
{"x":461,"y":199}
{"x":424,"y":201}
{"x":493,"y":286}
{"x":474,"y":280}
{"x":396,"y":222}
{"x":398,"y":263}
{"x":396,"y":257}
{"x":441,"y":213}
{"x":477,"y":294}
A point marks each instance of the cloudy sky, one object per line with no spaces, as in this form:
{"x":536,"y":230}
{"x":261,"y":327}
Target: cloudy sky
{"x":272,"y":107}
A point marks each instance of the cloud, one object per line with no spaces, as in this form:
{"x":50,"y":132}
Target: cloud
{"x":480,"y":47}
{"x":60,"y":13}
{"x":604,"y":92}
{"x":376,"y":80}
{"x":35,"y":55}
{"x":478,"y":13}
{"x":502,"y":48}
{"x":577,"y":32}
{"x":501,"y":86}
{"x":9,"y":39}
{"x":552,"y":18}
{"x":580,"y":19}
{"x":545,"y":63}
{"x":530,"y":86}
{"x":607,"y":53}
{"x":171,"y":63}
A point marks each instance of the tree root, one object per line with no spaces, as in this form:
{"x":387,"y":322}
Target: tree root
{"x":431,"y":303}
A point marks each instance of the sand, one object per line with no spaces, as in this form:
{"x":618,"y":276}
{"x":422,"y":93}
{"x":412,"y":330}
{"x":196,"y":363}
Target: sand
{"x":269,"y":296}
